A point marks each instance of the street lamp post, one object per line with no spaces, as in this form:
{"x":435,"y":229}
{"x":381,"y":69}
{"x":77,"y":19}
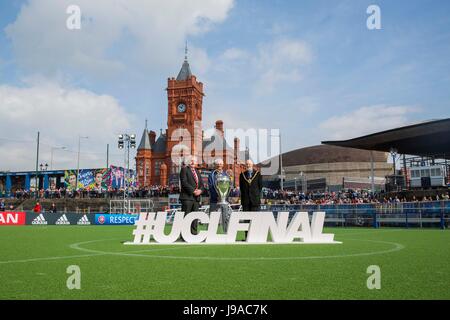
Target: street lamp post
{"x":78,"y":160}
{"x":281,"y":162}
{"x":51,"y":155}
{"x":281,"y":165}
{"x":304,"y":184}
{"x":393,"y":153}
{"x":282,"y":179}
{"x":36,"y":187}
{"x":43,"y":167}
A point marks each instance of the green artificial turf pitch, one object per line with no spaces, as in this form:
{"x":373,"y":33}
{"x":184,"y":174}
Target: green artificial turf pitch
{"x":414,"y":264}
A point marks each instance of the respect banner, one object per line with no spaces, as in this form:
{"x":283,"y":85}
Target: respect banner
{"x":117,"y":219}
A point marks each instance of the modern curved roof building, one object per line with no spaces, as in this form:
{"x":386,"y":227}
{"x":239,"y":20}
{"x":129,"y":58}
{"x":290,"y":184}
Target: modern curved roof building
{"x":323,"y":167}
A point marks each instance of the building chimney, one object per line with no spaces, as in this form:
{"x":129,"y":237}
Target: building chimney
{"x":152,"y":136}
{"x":236,"y":149}
{"x":219,"y":126}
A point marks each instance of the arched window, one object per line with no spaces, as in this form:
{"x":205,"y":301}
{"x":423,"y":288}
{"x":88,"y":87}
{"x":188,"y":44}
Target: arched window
{"x":157,"y":168}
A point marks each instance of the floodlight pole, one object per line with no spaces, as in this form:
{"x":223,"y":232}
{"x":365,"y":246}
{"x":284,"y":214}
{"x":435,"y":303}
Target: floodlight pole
{"x":129,"y":141}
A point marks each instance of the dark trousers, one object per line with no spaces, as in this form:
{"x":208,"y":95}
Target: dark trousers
{"x":246,"y":208}
{"x":188,"y":206}
{"x":213,"y":207}
{"x":249,"y":207}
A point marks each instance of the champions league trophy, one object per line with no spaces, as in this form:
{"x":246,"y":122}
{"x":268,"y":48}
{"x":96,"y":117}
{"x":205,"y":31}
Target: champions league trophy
{"x":222,"y":184}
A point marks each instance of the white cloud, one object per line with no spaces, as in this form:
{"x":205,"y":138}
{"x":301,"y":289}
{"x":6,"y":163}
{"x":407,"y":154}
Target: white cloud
{"x":113,"y":33}
{"x":303,"y":106}
{"x":279,"y":28}
{"x":275,"y":63}
{"x":60,"y":114}
{"x":201,"y":60}
{"x":234,"y":54}
{"x":366,"y":120}
{"x":281,"y":61}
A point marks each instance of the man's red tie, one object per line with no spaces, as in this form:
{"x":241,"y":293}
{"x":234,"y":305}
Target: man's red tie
{"x":195,"y":177}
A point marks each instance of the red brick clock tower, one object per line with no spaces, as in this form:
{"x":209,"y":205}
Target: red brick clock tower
{"x":158,"y":159}
{"x":185,"y":103}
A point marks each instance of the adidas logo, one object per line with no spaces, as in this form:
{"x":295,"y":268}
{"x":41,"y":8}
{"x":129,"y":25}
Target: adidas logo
{"x":39,"y":220}
{"x":83,"y":221}
{"x":62,"y":220}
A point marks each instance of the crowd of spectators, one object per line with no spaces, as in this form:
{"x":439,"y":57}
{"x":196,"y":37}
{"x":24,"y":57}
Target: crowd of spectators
{"x":269,"y":195}
{"x":111,"y":193}
{"x":340,"y":197}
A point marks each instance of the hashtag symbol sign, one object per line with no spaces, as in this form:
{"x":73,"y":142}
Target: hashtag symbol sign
{"x":144,"y":227}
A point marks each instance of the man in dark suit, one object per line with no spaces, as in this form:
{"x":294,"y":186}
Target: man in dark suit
{"x":250,"y":185}
{"x":191,"y":189}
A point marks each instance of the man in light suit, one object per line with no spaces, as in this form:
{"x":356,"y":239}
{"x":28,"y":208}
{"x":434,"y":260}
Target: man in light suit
{"x":191,"y":190}
{"x":214,"y":197}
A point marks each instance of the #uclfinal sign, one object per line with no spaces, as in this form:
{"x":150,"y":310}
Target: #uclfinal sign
{"x":150,"y":228}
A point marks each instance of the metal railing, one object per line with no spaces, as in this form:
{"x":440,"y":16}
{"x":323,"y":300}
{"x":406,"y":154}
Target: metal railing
{"x":403,"y":214}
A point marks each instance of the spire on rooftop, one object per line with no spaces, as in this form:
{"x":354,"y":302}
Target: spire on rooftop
{"x":185,"y":71}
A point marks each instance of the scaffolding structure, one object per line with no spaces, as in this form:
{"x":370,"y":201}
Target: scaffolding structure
{"x":133,"y":206}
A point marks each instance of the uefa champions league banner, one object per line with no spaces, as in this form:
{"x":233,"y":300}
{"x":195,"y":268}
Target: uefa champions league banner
{"x":90,"y":179}
{"x":117,"y":177}
{"x":70,"y":180}
{"x":94,"y":179}
{"x":87,"y":179}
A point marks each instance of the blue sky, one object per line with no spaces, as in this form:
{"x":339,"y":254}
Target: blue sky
{"x":310,"y":68}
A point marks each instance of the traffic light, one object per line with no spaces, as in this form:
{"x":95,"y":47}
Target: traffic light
{"x":120,"y":141}
{"x":133,"y":141}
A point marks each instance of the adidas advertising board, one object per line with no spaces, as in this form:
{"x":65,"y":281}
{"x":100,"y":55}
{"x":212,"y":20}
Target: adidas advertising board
{"x":62,"y":220}
{"x":59,"y":219}
{"x":40,"y":219}
{"x":84,"y":221}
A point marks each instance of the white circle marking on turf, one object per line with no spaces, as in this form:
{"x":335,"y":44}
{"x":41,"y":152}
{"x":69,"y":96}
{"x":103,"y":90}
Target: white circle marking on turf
{"x":94,"y":253}
{"x":396,"y":247}
{"x":75,"y":256}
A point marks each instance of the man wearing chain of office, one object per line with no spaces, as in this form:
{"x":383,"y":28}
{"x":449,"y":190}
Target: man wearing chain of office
{"x":250,"y":184}
{"x":214,"y":197}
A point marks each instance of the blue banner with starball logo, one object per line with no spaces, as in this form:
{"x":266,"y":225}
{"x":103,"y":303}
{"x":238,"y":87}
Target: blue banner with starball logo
{"x":115,"y":219}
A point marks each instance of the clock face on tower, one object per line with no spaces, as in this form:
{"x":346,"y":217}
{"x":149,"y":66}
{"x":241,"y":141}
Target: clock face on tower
{"x":181,"y":107}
